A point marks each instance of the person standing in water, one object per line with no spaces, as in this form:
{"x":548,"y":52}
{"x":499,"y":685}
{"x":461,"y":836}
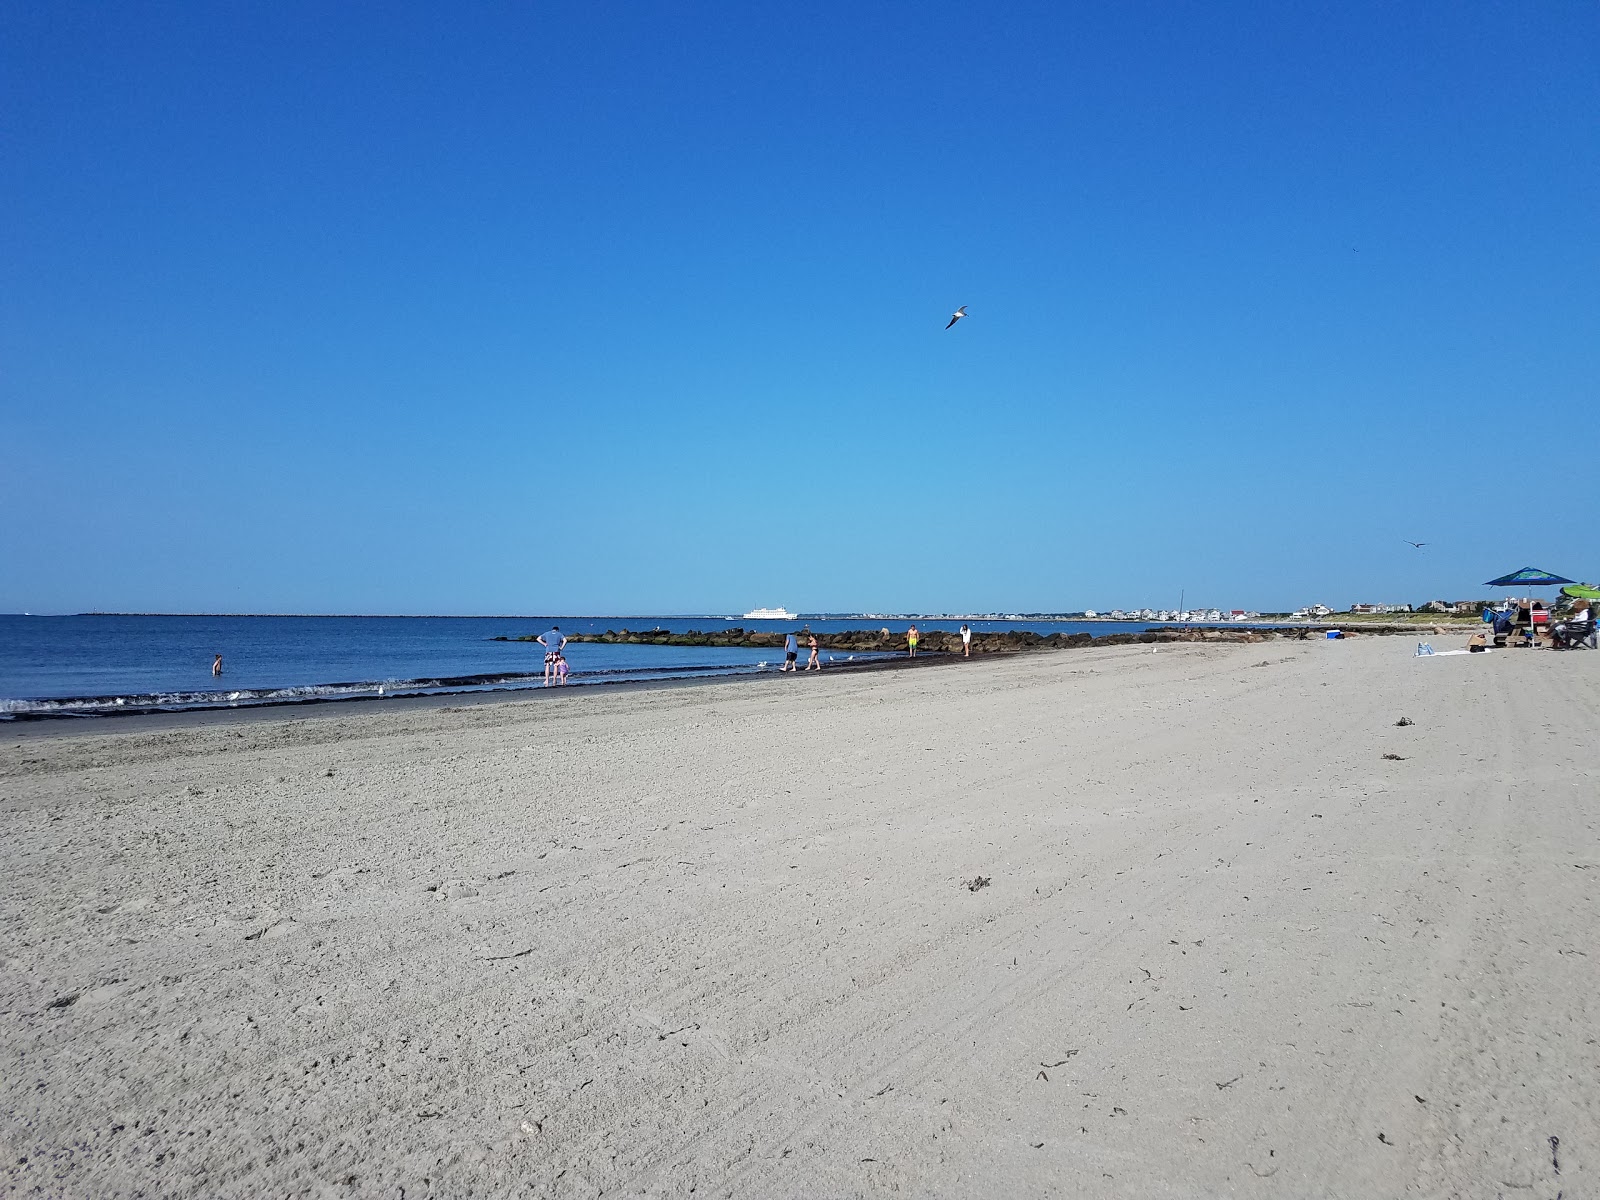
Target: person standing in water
{"x":216,"y":666}
{"x":552,"y":643}
{"x":791,"y":651}
{"x":911,"y":640}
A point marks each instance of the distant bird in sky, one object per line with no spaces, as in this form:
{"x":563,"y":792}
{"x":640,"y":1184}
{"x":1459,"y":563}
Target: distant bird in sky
{"x":959,"y":313}
{"x":1409,"y":542}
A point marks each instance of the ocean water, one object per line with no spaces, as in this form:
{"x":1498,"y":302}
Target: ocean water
{"x":101,"y":665}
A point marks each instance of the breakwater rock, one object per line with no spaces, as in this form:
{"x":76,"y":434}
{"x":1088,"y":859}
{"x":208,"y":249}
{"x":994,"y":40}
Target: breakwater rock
{"x":932,"y":641}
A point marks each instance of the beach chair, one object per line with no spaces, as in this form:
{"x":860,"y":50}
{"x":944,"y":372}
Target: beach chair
{"x":1572,"y":635}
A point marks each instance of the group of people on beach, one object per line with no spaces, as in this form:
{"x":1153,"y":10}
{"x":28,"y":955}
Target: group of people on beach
{"x":1532,"y":624}
{"x":791,"y":652}
{"x":913,"y":637}
{"x":791,"y":647}
{"x":555,"y":661}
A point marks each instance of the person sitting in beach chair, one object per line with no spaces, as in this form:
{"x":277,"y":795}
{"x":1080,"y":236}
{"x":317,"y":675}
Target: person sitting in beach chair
{"x":1572,"y":635}
{"x":1577,"y":631}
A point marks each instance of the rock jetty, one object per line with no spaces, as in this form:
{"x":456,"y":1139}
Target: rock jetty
{"x":932,"y":640}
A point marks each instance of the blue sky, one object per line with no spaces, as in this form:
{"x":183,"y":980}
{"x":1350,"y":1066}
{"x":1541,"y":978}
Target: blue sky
{"x":639,"y":308}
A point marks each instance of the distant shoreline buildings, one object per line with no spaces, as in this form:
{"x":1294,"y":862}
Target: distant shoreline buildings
{"x":1206,"y":616}
{"x":1201,"y":616}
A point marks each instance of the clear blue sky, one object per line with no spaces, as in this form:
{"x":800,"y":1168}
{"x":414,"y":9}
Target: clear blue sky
{"x":639,"y":308}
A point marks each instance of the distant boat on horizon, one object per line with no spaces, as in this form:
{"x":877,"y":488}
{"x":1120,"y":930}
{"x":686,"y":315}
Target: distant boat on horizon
{"x":770,"y":614}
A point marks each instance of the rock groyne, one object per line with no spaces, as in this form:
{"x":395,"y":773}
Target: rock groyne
{"x":932,"y":641}
{"x":943,"y":641}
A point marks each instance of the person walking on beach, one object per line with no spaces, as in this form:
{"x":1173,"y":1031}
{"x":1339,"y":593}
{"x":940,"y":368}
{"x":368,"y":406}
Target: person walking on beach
{"x":216,"y":666}
{"x":791,"y":651}
{"x":813,"y":663}
{"x":966,"y":642}
{"x":552,"y":643}
{"x":911,"y":640}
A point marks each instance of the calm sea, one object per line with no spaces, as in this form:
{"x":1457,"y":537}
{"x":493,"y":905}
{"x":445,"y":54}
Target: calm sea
{"x":95,"y":665}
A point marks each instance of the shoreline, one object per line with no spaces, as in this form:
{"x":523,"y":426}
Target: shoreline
{"x":936,"y":645}
{"x":28,"y":725}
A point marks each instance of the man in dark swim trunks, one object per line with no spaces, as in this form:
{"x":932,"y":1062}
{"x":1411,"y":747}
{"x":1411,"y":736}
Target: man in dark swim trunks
{"x":791,"y":648}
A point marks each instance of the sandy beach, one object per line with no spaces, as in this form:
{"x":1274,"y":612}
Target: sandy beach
{"x":1241,"y":935}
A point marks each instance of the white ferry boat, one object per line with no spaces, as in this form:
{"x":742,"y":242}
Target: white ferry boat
{"x":769,"y":614}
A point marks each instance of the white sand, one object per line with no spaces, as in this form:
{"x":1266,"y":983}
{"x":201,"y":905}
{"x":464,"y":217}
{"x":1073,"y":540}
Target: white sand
{"x":714,"y":940}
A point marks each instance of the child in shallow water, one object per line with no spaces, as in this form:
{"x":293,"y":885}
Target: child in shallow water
{"x":561,"y":669}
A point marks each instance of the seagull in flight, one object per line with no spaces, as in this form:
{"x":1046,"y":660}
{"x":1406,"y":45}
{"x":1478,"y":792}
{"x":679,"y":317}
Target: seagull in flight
{"x":1409,"y":542}
{"x":959,"y":313}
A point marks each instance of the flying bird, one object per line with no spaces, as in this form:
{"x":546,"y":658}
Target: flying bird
{"x":1409,"y":542}
{"x":959,"y":313}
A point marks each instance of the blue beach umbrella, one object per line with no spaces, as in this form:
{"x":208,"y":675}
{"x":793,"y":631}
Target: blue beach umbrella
{"x":1528,"y":577}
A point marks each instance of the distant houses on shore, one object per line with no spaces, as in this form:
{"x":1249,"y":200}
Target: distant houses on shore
{"x":1204,"y":616}
{"x":1209,"y":616}
{"x":1315,"y":612}
{"x":1311,"y":612}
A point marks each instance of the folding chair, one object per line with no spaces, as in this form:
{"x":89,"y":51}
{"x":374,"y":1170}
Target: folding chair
{"x":1573,"y":635}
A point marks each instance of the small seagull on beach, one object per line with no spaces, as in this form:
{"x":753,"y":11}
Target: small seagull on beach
{"x":1409,"y":542}
{"x":958,"y":314}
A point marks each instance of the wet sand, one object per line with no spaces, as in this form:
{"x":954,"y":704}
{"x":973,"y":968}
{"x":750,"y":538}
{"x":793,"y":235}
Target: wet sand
{"x":723,"y":940}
